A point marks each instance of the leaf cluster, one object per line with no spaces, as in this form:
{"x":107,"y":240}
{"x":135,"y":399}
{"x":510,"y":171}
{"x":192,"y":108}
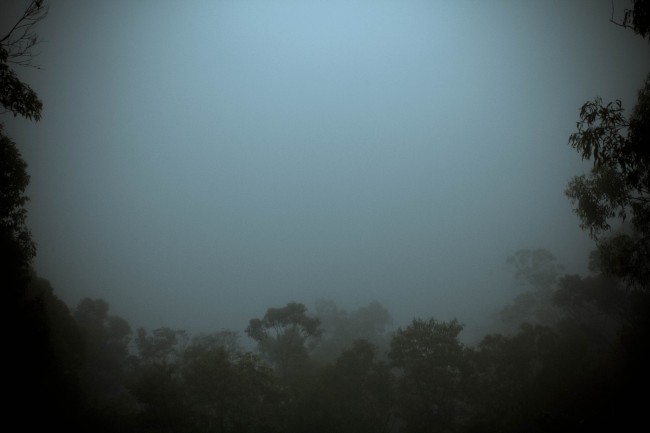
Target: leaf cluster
{"x":13,"y":214}
{"x":618,"y":185}
{"x":15,"y":96}
{"x":16,"y":48}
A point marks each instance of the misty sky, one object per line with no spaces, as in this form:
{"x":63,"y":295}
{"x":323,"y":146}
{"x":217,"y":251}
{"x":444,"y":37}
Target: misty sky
{"x":201,"y":161}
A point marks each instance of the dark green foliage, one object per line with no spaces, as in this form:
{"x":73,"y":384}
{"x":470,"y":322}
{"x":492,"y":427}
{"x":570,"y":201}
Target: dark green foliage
{"x":282,"y":335}
{"x":506,"y":371}
{"x":162,"y":347}
{"x":103,"y":375}
{"x":228,"y":392}
{"x":159,"y":394}
{"x":430,"y":359}
{"x":16,"y":243}
{"x":618,"y":186}
{"x":606,"y":314}
{"x":43,"y":362}
{"x":12,"y":189}
{"x":16,"y":48}
{"x":355,"y":394}
{"x":208,"y":385}
{"x":45,"y":347}
{"x":599,"y":197}
{"x":153,"y":379}
{"x":16,"y":246}
{"x":15,"y":96}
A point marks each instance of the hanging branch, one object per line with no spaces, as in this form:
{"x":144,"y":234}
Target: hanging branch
{"x":637,"y":19}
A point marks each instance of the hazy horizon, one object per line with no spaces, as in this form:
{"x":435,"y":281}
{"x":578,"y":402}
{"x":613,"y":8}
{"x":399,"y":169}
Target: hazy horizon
{"x":199,"y":162}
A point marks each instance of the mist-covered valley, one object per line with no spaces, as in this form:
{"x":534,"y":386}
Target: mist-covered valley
{"x":284,"y":216}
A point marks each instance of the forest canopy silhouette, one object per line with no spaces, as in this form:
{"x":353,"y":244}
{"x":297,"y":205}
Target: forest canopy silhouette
{"x":569,"y":353}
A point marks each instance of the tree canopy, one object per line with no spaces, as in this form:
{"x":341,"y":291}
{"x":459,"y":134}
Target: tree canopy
{"x":282,"y":335}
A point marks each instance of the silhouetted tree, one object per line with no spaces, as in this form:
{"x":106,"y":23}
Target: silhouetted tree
{"x":354,"y":395}
{"x":43,"y":361}
{"x":228,"y":392}
{"x":16,"y":243}
{"x":43,"y":368}
{"x":519,"y":381}
{"x":16,"y":97}
{"x":342,"y":328}
{"x":282,"y":335}
{"x":607,"y":313}
{"x":103,"y":376}
{"x":163,"y":346}
{"x":160,"y":396}
{"x":618,"y":186}
{"x":16,"y":48}
{"x":538,"y":271}
{"x":430,"y":359}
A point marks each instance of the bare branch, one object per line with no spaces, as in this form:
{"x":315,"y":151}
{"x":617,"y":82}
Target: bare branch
{"x":18,"y":44}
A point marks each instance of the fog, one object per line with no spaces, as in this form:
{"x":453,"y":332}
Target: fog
{"x":199,"y":162}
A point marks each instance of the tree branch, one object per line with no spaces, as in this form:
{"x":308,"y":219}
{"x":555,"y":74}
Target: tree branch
{"x":626,"y":17}
{"x":17,"y":45}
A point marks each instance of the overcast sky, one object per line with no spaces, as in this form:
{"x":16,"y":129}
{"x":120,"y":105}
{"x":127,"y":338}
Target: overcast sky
{"x":201,"y":161}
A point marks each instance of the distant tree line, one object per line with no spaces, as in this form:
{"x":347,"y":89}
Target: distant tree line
{"x":570,"y":353}
{"x":576,"y":363}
